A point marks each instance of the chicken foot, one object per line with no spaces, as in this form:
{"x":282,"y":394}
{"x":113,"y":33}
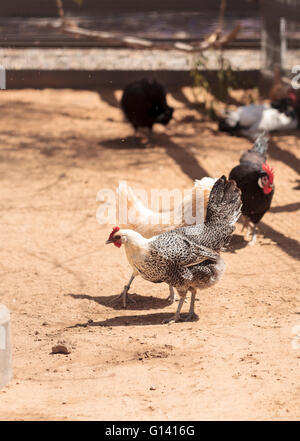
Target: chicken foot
{"x":172,"y":296}
{"x":253,"y":239}
{"x":249,"y":225}
{"x":191,"y":314}
{"x":124,"y":293}
{"x":176,"y":317}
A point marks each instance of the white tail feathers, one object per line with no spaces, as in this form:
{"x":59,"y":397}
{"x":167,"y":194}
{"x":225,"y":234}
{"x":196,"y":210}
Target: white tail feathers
{"x":150,"y":223}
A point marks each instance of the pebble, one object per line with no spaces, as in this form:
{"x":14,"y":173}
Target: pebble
{"x":60,"y":349}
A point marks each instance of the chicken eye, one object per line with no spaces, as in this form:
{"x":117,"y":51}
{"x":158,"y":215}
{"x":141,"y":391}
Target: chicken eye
{"x":118,"y":237}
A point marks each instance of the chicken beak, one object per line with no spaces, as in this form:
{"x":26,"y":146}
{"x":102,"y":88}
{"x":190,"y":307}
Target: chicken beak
{"x":109,"y":241}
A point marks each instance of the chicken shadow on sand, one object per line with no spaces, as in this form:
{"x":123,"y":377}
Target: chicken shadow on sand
{"x":178,"y":95}
{"x":288,"y":158}
{"x":185,"y":159}
{"x":287,"y":244}
{"x":297,"y":185}
{"x":137,"y":302}
{"x":190,"y":119}
{"x":129,"y":142}
{"x":132,"y":320}
{"x":288,"y":208}
{"x":237,"y":242}
{"x":107,"y":94}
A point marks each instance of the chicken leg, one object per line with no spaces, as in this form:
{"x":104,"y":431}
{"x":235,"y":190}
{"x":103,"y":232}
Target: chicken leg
{"x":176,"y":317}
{"x":253,"y":239}
{"x":124,"y":293}
{"x":191,"y":314}
{"x":248,"y":224}
{"x":172,"y":296}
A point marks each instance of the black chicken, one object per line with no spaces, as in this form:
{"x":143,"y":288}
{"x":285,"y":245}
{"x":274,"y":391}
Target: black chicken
{"x":286,"y":105}
{"x":255,"y":179}
{"x":144,"y":104}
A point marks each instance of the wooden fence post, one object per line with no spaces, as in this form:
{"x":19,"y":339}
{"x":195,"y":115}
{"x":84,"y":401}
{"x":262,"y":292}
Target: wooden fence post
{"x":274,"y":15}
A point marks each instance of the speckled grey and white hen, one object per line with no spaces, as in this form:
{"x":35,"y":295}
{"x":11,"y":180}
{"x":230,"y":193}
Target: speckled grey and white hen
{"x":151,"y":223}
{"x":186,"y":258}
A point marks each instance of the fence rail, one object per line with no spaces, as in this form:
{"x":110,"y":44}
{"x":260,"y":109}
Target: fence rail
{"x":47,"y":8}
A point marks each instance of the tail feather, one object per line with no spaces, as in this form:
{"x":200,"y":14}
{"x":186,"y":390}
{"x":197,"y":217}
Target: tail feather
{"x":261,"y":144}
{"x":224,"y":205}
{"x":223,"y":211}
{"x":258,"y":153}
{"x":196,"y":199}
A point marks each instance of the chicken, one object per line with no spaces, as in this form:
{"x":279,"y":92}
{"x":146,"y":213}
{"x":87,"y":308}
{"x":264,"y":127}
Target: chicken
{"x":281,"y":86}
{"x":281,"y":113}
{"x":283,"y":94}
{"x":250,"y":120}
{"x":255,"y":179}
{"x":187,"y":258}
{"x":150,"y":223}
{"x":144,"y":104}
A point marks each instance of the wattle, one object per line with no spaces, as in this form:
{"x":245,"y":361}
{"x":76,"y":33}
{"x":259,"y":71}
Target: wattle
{"x":267,"y":190}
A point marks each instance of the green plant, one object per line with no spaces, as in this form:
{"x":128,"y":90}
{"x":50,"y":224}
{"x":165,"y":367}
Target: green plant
{"x":199,"y":79}
{"x":226,"y":79}
{"x":220,"y":89}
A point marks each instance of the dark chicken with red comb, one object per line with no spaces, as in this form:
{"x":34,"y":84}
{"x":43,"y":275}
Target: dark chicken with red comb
{"x":144,"y":104}
{"x":255,"y":179}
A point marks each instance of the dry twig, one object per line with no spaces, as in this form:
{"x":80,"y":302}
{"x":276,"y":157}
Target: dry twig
{"x":213,"y":41}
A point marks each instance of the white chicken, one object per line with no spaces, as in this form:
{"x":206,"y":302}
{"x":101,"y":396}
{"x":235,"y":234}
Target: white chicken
{"x":253,"y":119}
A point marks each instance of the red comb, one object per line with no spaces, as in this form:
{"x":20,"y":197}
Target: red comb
{"x":115,"y":229}
{"x":269,"y":171}
{"x":292,"y":96}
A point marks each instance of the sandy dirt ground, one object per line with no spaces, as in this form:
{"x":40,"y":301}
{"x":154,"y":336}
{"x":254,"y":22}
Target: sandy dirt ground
{"x":239,"y":360}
